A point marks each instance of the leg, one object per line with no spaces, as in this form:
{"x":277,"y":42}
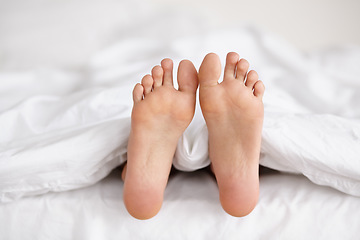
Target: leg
{"x":233,"y":111}
{"x":159,"y":116}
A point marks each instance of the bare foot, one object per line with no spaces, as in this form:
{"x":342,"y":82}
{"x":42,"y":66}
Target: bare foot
{"x":160,"y":115}
{"x":234,"y":112}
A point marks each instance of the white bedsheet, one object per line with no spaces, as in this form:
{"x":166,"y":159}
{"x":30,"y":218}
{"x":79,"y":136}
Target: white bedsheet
{"x":65,"y":93}
{"x":65,"y":129}
{"x":290,"y":207}
{"x":67,"y":69}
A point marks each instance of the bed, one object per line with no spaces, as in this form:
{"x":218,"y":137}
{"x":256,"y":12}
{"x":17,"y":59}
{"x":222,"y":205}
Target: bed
{"x":290,"y":207}
{"x":65,"y":104}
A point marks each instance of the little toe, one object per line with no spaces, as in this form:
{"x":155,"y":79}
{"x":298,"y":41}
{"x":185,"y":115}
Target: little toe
{"x":167,"y":65}
{"x":241,"y":69}
{"x":187,"y":77}
{"x":259,"y":89}
{"x":231,"y":60}
{"x":210,"y":70}
{"x":147,"y":83}
{"x":157,"y":73}
{"x":138,"y":93}
{"x":252,"y":78}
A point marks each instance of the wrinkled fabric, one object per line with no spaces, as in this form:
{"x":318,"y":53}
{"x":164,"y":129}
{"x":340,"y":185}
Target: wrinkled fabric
{"x":287,"y":205}
{"x":62,"y":129}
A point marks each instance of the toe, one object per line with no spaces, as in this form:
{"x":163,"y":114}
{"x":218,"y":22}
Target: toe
{"x":241,"y":69}
{"x":138,"y":93}
{"x":147,"y":83}
{"x":157,"y":74}
{"x":167,"y":65}
{"x":187,"y":77}
{"x":231,"y":60}
{"x":259,"y":89}
{"x":251,"y":79}
{"x":210,"y":70}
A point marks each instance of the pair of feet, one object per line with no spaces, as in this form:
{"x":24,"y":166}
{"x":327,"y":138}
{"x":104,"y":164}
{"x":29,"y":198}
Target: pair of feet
{"x":233,"y":111}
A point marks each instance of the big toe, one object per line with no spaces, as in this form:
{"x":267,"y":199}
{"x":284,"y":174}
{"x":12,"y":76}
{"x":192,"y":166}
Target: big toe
{"x":187,"y":77}
{"x":210,"y":70}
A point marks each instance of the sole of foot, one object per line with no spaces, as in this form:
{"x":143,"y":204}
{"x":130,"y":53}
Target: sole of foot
{"x":234,"y":112}
{"x":160,"y":115}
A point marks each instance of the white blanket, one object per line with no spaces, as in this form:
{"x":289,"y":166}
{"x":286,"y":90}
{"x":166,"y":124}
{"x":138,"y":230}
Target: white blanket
{"x":289,"y":207}
{"x":63,"y":129}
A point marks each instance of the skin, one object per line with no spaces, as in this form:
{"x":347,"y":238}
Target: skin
{"x":160,"y":115}
{"x":233,"y":111}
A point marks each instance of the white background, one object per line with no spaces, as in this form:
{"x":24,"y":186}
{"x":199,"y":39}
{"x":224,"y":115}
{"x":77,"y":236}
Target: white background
{"x":37,"y":33}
